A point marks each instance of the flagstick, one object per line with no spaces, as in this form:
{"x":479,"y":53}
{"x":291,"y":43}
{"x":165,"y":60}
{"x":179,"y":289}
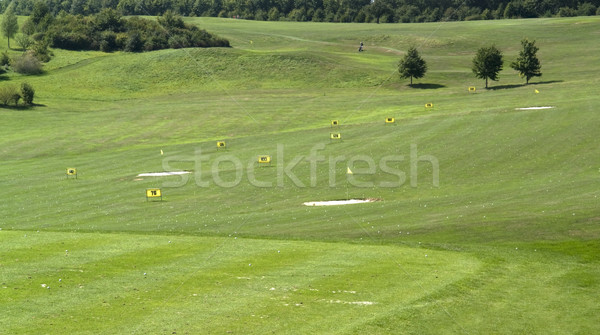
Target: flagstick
{"x":347,"y":196}
{"x":348,"y":172}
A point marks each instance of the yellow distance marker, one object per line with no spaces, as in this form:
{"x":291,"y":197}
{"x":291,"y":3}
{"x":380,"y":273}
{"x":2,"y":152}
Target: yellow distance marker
{"x":429,"y":105}
{"x":153,"y":193}
{"x":334,"y":123}
{"x":536,"y":91}
{"x":72,"y":172}
{"x":265,"y":159}
{"x":335,"y":136}
{"x":390,"y":120}
{"x":221,"y":145}
{"x":472,"y":89}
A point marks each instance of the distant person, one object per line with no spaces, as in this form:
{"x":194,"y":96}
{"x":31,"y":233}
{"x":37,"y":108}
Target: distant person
{"x":360,"y":48}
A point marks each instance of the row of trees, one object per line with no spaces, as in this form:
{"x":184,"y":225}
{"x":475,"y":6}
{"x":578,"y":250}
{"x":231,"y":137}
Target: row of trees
{"x":487,"y":63}
{"x":106,"y":31}
{"x":326,"y":10}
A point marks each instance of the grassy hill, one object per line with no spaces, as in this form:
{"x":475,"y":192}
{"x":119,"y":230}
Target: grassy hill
{"x":488,"y":214}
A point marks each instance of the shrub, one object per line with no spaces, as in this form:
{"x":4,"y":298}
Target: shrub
{"x":27,"y":92}
{"x":41,"y":52}
{"x":4,"y":59}
{"x":178,"y":41}
{"x":7,"y":94}
{"x":27,"y":64}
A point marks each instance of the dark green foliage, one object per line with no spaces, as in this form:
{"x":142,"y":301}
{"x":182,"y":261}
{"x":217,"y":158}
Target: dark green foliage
{"x":134,"y":42}
{"x":317,"y":10}
{"x":412,"y":65}
{"x":487,"y":63}
{"x":4,"y":59}
{"x":40,"y":51}
{"x":527,"y":64}
{"x":109,"y":31}
{"x":109,"y":20}
{"x":27,"y":93}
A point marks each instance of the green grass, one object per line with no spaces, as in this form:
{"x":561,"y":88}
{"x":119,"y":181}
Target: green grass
{"x":507,"y":243}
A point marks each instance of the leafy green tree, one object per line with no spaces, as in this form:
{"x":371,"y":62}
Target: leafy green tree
{"x":9,"y":25}
{"x":23,"y":41}
{"x":412,"y":65}
{"x":527,"y":64}
{"x":487,"y":63}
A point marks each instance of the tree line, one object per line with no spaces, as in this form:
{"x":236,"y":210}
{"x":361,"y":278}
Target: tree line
{"x":388,"y":11}
{"x":107,"y":31}
{"x":487,"y":63}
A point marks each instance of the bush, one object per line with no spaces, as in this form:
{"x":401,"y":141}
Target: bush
{"x":4,"y":59}
{"x":27,"y":64}
{"x":8,"y":94}
{"x":178,"y":41}
{"x":27,"y":92}
{"x":41,"y":52}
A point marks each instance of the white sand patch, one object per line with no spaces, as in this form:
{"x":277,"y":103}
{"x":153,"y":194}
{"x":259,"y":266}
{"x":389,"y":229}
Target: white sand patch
{"x":338,"y":202}
{"x":361,"y":303}
{"x":530,"y":108}
{"x":162,"y":174}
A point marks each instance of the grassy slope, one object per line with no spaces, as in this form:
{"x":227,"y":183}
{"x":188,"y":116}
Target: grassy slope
{"x":514,"y":223}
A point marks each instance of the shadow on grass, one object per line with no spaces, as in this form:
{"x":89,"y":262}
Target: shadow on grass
{"x":503,"y":87}
{"x":546,"y":82}
{"x":21,"y":107}
{"x":425,"y":86}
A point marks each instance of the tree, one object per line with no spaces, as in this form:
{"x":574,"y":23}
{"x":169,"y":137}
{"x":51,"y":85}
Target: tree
{"x":23,"y":41}
{"x":9,"y":25}
{"x":412,"y":65}
{"x":487,"y":63}
{"x":527,"y":64}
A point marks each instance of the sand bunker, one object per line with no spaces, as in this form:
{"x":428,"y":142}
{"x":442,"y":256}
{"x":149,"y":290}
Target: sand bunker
{"x":162,"y":174}
{"x":529,"y":108}
{"x":338,"y":202}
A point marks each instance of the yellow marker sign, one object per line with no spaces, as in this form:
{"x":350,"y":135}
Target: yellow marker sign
{"x":349,"y":171}
{"x":153,"y":193}
{"x":264,"y":159}
{"x":161,"y":152}
{"x":72,"y":172}
{"x":336,"y":136}
{"x":429,"y":105}
{"x":472,"y":89}
{"x":390,"y":120}
{"x":536,"y":91}
{"x":334,"y":123}
{"x":221,"y":144}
